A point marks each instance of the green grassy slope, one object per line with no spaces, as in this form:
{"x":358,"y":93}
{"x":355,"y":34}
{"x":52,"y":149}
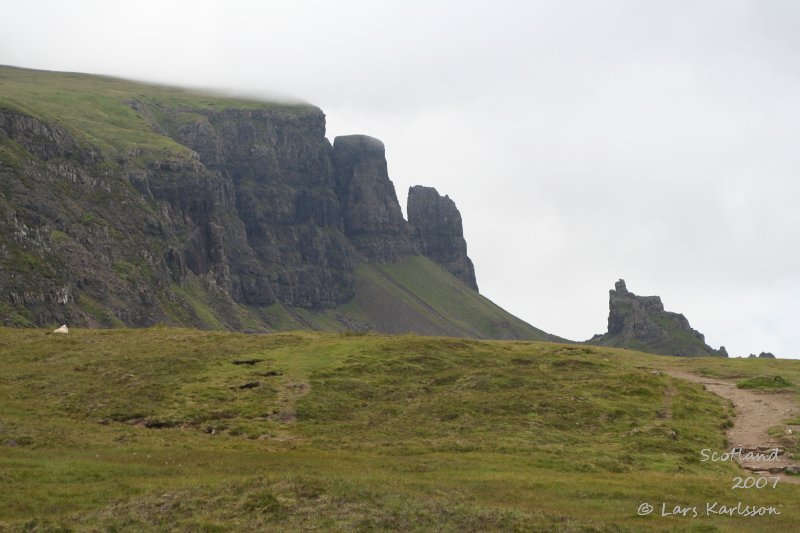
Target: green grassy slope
{"x":416,"y":294}
{"x":158,"y":429}
{"x":411,"y":295}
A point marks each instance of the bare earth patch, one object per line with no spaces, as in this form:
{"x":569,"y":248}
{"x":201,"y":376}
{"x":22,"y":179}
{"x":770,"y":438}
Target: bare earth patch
{"x":756,"y":412}
{"x":288,"y":396}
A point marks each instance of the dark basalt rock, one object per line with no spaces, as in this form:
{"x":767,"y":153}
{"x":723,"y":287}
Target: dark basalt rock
{"x":283,"y":240}
{"x":620,"y":287}
{"x":762,"y":355}
{"x":438,"y":232}
{"x":641,"y":323}
{"x":252,"y":216}
{"x":373,"y":221}
{"x":43,"y":140}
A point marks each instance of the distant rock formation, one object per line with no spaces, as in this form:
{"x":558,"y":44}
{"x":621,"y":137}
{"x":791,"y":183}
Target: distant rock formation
{"x":438,"y":232}
{"x":641,"y":323}
{"x":762,"y":355}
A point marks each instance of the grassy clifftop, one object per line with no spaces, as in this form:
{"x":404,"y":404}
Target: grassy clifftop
{"x":98,"y":109}
{"x":162,"y":429}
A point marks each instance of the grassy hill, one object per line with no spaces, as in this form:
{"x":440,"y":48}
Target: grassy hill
{"x":173,"y":429}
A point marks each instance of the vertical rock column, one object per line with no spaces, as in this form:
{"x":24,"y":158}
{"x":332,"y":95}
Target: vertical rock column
{"x":373,"y":221}
{"x":438,"y":232}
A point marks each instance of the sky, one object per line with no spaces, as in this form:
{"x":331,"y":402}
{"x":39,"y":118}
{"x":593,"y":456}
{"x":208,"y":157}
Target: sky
{"x":583,"y":141}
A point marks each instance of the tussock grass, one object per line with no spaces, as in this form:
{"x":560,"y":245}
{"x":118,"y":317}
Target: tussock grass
{"x":764,"y":382}
{"x":151,"y":430}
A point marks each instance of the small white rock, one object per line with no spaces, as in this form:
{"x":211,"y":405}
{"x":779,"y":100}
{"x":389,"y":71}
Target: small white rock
{"x":62,"y":329}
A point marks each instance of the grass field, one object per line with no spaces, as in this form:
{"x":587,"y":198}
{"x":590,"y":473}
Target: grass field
{"x":176,"y":429}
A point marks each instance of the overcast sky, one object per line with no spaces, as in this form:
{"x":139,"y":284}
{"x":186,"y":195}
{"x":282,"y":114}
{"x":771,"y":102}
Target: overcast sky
{"x":583,"y":141}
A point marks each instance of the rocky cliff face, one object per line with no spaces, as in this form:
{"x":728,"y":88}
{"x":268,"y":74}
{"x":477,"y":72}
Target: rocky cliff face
{"x":282,"y":239}
{"x":641,"y":323}
{"x":373,"y":221}
{"x":197,"y":213}
{"x":438,"y":232}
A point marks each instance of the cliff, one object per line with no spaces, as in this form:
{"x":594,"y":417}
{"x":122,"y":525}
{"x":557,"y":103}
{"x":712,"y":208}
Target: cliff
{"x":373,"y":221}
{"x":439,"y":233}
{"x":641,"y":323}
{"x":130,"y":204}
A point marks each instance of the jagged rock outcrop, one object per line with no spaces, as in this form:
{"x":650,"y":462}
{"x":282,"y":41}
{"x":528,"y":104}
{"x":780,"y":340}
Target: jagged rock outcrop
{"x":373,"y":221}
{"x":438,"y":232}
{"x":762,"y":355}
{"x":641,"y":323}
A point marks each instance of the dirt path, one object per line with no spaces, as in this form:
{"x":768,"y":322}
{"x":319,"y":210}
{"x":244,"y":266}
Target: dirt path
{"x":756,"y":412}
